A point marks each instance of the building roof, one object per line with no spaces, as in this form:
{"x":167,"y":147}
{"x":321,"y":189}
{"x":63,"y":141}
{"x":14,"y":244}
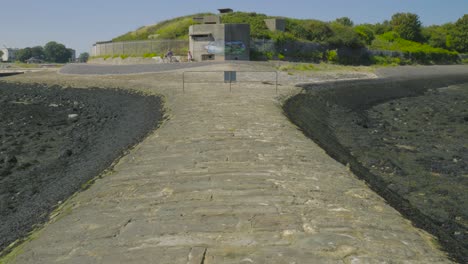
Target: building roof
{"x":225,"y":10}
{"x":104,"y":42}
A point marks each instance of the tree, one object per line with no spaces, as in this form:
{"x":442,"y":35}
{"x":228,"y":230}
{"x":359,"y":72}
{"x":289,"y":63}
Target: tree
{"x":1,"y":55}
{"x":345,"y":21}
{"x":365,"y":33}
{"x":344,"y":36}
{"x":381,"y":28}
{"x":439,"y":36}
{"x":37,"y":52}
{"x":407,"y":25}
{"x":24,"y":54}
{"x":72,"y":55}
{"x":83,"y":57}
{"x":319,"y":31}
{"x":56,"y":52}
{"x":297,"y":29}
{"x":460,"y":35}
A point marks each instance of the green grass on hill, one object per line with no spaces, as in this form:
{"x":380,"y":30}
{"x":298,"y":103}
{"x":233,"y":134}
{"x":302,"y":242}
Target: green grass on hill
{"x":296,"y":29}
{"x":418,"y":52}
{"x":334,"y":35}
{"x":176,"y":28}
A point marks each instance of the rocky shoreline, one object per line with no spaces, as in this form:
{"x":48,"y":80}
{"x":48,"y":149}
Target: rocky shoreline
{"x":406,"y":137}
{"x":55,"y":140}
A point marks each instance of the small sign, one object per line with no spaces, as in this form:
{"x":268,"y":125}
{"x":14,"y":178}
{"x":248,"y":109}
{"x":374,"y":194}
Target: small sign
{"x":230,"y":76}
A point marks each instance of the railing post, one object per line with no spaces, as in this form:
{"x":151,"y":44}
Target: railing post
{"x":276,"y":82}
{"x":183,"y":82}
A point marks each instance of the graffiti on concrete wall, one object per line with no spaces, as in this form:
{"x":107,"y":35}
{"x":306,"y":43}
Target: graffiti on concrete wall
{"x":235,"y":48}
{"x":215,"y":47}
{"x":230,"y":47}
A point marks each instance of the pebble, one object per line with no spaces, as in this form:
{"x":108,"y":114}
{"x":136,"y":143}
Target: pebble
{"x":72,"y":116}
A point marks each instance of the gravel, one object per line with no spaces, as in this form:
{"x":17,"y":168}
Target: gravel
{"x":54,"y":140}
{"x":404,"y":136}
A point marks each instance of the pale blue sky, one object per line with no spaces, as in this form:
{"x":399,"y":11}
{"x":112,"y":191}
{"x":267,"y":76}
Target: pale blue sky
{"x":78,"y":24}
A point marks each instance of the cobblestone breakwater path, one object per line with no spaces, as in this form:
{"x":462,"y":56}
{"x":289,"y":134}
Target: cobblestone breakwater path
{"x":227,"y":179}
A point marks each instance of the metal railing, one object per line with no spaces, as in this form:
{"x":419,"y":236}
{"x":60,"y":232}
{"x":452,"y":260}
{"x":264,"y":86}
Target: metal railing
{"x":231,"y":77}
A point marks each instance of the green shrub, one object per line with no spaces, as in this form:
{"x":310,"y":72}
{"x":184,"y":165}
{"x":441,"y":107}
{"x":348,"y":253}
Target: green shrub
{"x":414,"y":51}
{"x":124,"y":56}
{"x":176,"y":30}
{"x":258,"y":28}
{"x":180,"y":26}
{"x":386,"y":61}
{"x":365,"y":33}
{"x":315,"y":56}
{"x":459,"y":38}
{"x":390,"y":36}
{"x":319,"y":30}
{"x":332,"y":56}
{"x":297,"y":29}
{"x":305,"y":67}
{"x":311,"y":56}
{"x":281,"y":38}
{"x":344,"y":37}
{"x":297,"y":67}
{"x":258,"y":55}
{"x":280,"y":56}
{"x":149,"y":55}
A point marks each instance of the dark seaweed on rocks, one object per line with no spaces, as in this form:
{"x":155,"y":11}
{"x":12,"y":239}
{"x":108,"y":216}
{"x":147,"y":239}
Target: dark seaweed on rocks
{"x":406,"y":138}
{"x":54,"y":140}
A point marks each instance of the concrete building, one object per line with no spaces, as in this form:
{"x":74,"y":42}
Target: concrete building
{"x":219,"y":42}
{"x":211,"y":20}
{"x":9,"y":54}
{"x":276,"y":24}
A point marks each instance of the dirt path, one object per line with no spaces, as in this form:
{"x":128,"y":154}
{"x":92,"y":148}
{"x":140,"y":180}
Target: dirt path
{"x":227,"y":179}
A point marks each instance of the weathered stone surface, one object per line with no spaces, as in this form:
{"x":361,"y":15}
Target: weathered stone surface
{"x":227,"y":179}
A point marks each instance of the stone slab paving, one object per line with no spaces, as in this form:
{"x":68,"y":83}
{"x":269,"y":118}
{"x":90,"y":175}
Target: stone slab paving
{"x":228,"y":179}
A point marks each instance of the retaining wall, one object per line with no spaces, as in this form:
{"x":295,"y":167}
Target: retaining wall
{"x":318,"y":111}
{"x":139,"y":48}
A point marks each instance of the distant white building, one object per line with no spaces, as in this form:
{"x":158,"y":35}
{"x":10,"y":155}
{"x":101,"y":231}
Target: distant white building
{"x":9,"y":54}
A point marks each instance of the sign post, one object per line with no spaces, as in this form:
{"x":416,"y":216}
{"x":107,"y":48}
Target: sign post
{"x":230,"y":76}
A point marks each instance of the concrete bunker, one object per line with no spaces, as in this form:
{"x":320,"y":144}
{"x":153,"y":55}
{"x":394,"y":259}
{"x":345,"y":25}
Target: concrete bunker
{"x":276,"y":24}
{"x":214,"y":41}
{"x":209,"y":40}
